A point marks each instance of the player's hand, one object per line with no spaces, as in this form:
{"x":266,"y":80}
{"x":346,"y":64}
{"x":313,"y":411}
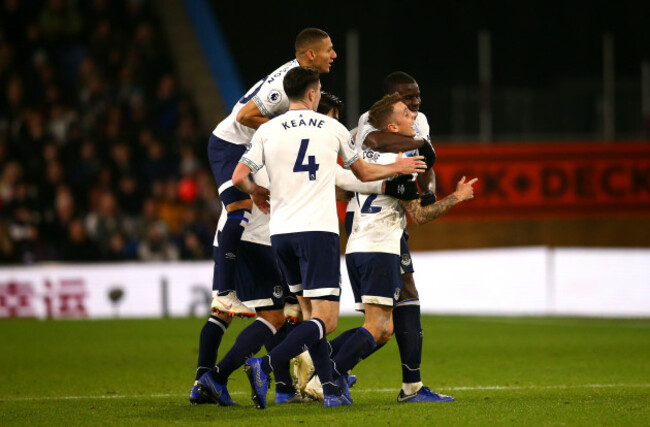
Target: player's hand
{"x":408,"y":165}
{"x":465,"y":190}
{"x":403,"y":188}
{"x":261,"y":197}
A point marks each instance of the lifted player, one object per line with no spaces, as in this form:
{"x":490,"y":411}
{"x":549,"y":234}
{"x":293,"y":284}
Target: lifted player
{"x":229,"y":141}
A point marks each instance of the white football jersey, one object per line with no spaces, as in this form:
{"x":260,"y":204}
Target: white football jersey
{"x":269,"y":96}
{"x":379,"y":220}
{"x":257,"y":230}
{"x":299,"y":150}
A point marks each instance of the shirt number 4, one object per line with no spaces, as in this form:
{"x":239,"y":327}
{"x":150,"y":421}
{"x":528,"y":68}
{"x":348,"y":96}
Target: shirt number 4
{"x":311,"y":166}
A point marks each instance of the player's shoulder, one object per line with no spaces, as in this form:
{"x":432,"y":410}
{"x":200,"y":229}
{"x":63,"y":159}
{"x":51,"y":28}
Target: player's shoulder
{"x":363,"y":120}
{"x":334,"y":125}
{"x":364,"y":128}
{"x":279,"y":73}
{"x":421,"y":118}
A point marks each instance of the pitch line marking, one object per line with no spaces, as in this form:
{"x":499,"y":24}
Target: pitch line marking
{"x":379,"y":390}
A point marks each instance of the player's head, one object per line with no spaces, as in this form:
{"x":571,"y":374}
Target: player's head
{"x":302,"y":84}
{"x":406,"y":86}
{"x":391,"y":114}
{"x":314,"y":48}
{"x":330,"y":105}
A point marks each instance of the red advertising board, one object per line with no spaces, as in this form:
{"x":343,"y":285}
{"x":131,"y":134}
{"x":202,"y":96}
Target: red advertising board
{"x":548,"y":180}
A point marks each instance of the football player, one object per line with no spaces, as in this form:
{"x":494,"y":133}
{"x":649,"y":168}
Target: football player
{"x":229,"y":140}
{"x":374,"y":254}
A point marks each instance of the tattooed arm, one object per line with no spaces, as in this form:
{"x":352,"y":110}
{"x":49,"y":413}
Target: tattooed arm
{"x":422,"y":215}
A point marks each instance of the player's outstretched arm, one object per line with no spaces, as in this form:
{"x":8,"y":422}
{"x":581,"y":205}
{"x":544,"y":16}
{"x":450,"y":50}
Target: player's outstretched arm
{"x":347,"y":181}
{"x":260,"y":195}
{"x":402,"y":187}
{"x":390,"y":142}
{"x":251,"y":116}
{"x":403,"y":166}
{"x":424,"y":214}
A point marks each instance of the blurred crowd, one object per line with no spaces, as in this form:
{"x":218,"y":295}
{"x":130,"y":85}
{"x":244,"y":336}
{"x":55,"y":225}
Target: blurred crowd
{"x":101,"y":157}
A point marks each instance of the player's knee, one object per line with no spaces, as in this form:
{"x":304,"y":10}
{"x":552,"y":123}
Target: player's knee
{"x":331,"y":324}
{"x":408,"y":288}
{"x":274,"y":317}
{"x":386,"y":332}
{"x":380,"y":331}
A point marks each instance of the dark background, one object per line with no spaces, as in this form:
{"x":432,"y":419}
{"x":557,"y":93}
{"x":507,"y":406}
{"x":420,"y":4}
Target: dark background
{"x":546,"y":58}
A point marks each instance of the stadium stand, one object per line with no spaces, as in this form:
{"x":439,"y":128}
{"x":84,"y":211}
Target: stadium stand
{"x":101,"y":158}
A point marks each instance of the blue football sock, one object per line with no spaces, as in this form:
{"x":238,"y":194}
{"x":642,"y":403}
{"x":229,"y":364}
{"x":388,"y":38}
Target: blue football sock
{"x":248,"y":343}
{"x":282,"y":370}
{"x":408,"y":334}
{"x":358,"y":347}
{"x":304,"y":336}
{"x":337,"y":343}
{"x":209,"y":342}
{"x":319,"y":353}
{"x":229,"y":239}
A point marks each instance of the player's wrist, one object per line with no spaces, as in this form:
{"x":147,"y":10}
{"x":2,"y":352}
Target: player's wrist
{"x":457,"y":197}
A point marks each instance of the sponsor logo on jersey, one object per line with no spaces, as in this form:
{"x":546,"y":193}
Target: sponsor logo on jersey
{"x":406,"y":259}
{"x":370,"y":155}
{"x":351,"y":143}
{"x":275,"y":96}
{"x":277,"y":291}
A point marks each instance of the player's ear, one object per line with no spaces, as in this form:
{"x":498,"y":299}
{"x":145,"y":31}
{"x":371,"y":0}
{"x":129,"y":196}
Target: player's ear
{"x":392,"y":127}
{"x":311,"y":54}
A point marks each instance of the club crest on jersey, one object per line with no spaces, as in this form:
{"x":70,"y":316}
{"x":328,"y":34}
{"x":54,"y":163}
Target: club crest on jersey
{"x":406,"y":259}
{"x":277,"y":291}
{"x":396,"y":296}
{"x":275,"y":96}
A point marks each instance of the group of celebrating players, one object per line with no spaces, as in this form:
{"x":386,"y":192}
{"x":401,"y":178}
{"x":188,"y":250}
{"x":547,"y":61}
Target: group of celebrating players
{"x":277,"y":243}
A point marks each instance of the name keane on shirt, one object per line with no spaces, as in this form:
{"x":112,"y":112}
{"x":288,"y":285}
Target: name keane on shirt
{"x":297,"y":123}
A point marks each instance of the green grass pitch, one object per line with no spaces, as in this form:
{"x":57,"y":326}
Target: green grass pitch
{"x":501,"y":370}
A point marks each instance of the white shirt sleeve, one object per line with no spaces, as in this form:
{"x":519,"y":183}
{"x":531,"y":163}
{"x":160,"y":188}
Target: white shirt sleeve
{"x":363,"y":129}
{"x":271,"y":98}
{"x":254,"y":156}
{"x":346,"y":180}
{"x":347,"y":149}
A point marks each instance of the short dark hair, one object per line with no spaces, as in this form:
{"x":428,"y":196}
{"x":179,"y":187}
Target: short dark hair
{"x":308,"y":37}
{"x":298,"y":80}
{"x":390,"y":83}
{"x":329,"y":102}
{"x":381,"y":111}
